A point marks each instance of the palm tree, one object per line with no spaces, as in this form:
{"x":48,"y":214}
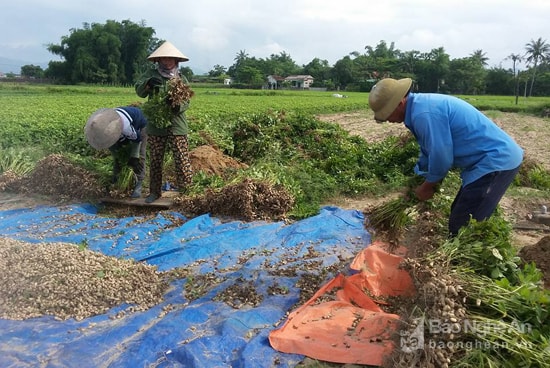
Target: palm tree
{"x":241,"y":56}
{"x":409,"y":60}
{"x":479,"y":56}
{"x":536,"y":52}
{"x":382,"y":51}
{"x":515,"y":59}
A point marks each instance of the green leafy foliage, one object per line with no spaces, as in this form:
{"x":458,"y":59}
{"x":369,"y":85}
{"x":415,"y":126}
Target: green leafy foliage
{"x":486,"y":248}
{"x":505,"y":299}
{"x":322,"y":157}
{"x":158,"y":111}
{"x":532,"y":174}
{"x":161,"y":107}
{"x":538,"y":178}
{"x":20,"y":162}
{"x":202,"y":180}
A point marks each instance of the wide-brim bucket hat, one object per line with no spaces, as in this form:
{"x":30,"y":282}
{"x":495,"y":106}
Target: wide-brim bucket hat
{"x":103,"y":128}
{"x":385,"y":96}
{"x":167,"y":50}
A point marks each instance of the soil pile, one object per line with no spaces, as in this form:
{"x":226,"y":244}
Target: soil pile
{"x":213,"y":162}
{"x":540,"y":254}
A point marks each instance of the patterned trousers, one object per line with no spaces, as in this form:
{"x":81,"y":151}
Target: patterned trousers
{"x":180,"y":151}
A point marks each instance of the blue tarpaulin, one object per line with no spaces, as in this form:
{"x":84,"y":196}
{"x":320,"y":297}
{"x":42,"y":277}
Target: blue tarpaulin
{"x":178,"y":332}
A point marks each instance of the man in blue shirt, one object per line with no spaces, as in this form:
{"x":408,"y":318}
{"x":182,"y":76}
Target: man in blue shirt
{"x":452,"y":134}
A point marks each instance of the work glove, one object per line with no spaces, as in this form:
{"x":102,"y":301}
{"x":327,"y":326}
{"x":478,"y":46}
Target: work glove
{"x":154,"y":82}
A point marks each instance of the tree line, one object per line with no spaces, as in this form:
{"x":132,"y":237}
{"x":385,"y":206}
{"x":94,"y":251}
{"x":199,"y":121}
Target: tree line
{"x":116,"y":53}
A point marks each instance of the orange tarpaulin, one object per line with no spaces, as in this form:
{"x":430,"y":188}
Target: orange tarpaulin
{"x":351,"y":327}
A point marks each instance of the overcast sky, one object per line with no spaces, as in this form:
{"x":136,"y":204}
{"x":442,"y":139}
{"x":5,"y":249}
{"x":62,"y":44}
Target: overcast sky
{"x":213,"y":32}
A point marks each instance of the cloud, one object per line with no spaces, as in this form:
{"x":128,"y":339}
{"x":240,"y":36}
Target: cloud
{"x":209,"y":39}
{"x":213,"y":32}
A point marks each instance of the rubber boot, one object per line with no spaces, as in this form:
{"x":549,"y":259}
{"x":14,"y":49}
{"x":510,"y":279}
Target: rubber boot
{"x":151,"y":198}
{"x":137,"y":190}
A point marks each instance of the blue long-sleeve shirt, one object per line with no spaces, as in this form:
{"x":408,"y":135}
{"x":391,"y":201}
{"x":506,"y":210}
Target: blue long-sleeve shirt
{"x":454,"y":134}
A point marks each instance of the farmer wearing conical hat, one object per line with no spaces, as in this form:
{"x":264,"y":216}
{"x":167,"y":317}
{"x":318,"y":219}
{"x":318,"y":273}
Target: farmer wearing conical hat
{"x":451,"y":134}
{"x":123,"y":131}
{"x":171,"y":129}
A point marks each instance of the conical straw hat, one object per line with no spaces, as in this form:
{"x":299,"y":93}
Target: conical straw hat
{"x":167,"y":50}
{"x":103,"y":128}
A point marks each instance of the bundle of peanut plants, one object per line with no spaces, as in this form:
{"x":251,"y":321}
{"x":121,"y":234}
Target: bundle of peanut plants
{"x":394,"y":215}
{"x":507,"y":323}
{"x":164,"y":105}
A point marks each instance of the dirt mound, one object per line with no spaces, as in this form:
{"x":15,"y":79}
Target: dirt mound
{"x":539,"y":253}
{"x":212,"y":161}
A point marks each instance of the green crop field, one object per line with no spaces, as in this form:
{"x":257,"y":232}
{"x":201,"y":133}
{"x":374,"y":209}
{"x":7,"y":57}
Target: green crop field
{"x":54,"y":116}
{"x":31,"y":113}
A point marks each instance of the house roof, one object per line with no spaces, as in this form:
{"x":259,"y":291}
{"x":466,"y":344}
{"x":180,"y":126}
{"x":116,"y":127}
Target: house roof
{"x":298,"y":77}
